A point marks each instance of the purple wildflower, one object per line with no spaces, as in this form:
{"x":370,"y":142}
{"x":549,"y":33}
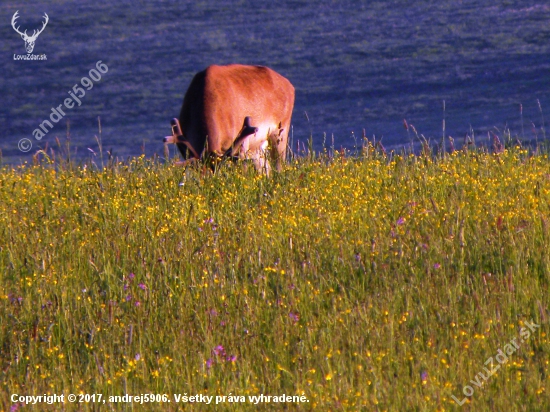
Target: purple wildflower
{"x":209,"y":363}
{"x":231,"y":358}
{"x":294,"y":316}
{"x":400,"y":221}
{"x":137,"y":303}
{"x":437,"y":265}
{"x":137,"y":357}
{"x":131,"y":276}
{"x":142,"y":286}
{"x":128,"y":298}
{"x":424,"y":376}
{"x":219,"y":350}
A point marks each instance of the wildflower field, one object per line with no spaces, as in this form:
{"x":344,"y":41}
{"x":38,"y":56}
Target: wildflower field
{"x":363,"y":282}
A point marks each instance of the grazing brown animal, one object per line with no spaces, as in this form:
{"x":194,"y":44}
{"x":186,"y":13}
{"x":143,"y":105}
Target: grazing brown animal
{"x":237,"y":111}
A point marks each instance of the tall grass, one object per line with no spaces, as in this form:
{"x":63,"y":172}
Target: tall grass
{"x":364,"y":283}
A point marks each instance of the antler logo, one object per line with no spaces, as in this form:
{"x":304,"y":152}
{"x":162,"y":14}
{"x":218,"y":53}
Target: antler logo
{"x":29,"y":40}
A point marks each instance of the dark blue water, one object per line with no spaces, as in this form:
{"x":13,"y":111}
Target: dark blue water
{"x":355,"y":66}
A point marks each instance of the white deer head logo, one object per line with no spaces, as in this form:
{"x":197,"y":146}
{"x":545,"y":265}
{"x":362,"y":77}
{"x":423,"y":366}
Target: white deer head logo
{"x":29,"y":40}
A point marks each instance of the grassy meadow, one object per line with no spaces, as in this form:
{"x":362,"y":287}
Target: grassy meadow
{"x":367,"y":282}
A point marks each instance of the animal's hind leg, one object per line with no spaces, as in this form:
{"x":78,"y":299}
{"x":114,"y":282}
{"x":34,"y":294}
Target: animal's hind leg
{"x":260,"y":159}
{"x":277,"y":146}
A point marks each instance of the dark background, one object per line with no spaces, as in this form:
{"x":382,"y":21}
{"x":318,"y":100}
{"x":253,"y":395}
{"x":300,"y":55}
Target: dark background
{"x":355,"y":65}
